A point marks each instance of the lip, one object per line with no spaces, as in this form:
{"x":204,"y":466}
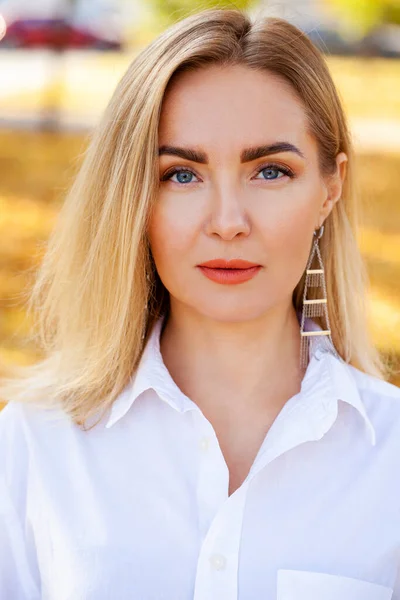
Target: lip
{"x":221,"y":263}
{"x":229,"y":272}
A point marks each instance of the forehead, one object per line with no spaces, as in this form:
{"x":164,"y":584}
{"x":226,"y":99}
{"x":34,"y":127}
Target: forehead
{"x":229,"y":106}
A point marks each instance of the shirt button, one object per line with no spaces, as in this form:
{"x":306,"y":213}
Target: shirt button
{"x":218,"y":561}
{"x":204,"y":443}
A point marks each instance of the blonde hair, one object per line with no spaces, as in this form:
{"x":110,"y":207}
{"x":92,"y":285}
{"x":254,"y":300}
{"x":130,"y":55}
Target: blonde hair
{"x":97,"y":294}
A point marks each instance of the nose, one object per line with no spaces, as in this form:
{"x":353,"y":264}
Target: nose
{"x":227,"y":214}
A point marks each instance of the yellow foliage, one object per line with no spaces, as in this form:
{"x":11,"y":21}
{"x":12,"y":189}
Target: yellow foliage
{"x":36,"y":169}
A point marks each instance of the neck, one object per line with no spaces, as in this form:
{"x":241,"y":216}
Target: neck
{"x":251,"y":365}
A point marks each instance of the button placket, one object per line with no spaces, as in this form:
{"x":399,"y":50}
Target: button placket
{"x":213,"y":475}
{"x":217,"y":566}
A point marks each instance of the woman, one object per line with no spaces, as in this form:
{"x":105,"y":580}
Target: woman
{"x":180,"y":439}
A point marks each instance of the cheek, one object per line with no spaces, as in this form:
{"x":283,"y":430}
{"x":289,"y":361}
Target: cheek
{"x":171,"y":234}
{"x":288,"y":238}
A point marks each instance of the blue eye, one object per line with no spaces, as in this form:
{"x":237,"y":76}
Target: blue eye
{"x":269,"y":173}
{"x":183,"y":176}
{"x":272,"y":172}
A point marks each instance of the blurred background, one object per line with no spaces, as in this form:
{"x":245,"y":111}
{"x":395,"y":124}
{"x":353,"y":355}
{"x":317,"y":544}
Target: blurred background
{"x":60,"y":61}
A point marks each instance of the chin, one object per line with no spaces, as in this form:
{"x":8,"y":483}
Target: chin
{"x":231,"y":312}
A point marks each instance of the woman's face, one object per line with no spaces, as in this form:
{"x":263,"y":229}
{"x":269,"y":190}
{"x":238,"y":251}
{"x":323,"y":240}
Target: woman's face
{"x":218,"y":199}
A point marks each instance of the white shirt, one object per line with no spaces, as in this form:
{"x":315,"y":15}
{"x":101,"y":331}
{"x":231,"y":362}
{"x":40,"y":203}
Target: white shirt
{"x":137,"y":508}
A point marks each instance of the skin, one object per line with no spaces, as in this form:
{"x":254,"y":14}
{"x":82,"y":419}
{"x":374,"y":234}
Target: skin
{"x":225,"y":345}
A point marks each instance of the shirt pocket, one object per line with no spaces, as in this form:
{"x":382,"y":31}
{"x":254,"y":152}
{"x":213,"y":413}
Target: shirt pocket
{"x":310,"y":585}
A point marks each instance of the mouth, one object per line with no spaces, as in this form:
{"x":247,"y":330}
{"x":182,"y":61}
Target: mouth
{"x":234,"y":264}
{"x":229,"y":272}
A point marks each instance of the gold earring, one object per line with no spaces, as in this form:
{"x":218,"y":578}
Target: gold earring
{"x":316,"y":307}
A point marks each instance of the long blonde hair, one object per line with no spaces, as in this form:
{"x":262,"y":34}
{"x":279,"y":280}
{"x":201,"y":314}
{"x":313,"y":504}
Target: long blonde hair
{"x":97,"y":294}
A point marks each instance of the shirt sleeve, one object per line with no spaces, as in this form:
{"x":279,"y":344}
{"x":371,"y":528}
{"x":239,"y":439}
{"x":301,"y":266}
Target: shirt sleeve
{"x":17,"y":578}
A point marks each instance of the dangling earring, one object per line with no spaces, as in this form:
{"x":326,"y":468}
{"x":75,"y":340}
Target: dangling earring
{"x":315,"y":308}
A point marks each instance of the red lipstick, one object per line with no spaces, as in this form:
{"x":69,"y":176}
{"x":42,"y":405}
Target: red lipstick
{"x":229,"y":272}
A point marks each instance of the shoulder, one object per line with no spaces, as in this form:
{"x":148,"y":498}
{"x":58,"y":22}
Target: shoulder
{"x":23,"y":426}
{"x":18,"y":419}
{"x":15,"y":481}
{"x":41,"y":433}
{"x":32,"y":438}
{"x":381,"y":400}
{"x":11,"y":426}
{"x":373,"y":387}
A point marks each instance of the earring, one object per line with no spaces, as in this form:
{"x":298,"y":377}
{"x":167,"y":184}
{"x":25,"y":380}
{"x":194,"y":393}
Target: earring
{"x":315,"y":308}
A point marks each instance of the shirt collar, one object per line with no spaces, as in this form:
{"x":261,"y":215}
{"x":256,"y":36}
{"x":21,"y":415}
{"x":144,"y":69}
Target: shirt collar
{"x":327,"y":380}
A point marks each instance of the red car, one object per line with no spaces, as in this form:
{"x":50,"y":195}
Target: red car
{"x":55,"y":34}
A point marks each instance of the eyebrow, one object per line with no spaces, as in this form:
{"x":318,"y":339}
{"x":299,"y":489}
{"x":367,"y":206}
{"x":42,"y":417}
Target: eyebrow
{"x":247,"y":155}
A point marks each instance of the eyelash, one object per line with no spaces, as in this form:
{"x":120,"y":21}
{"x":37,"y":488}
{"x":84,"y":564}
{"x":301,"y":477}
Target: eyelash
{"x":281,"y":168}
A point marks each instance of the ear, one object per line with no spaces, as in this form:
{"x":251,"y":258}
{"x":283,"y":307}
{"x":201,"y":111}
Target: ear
{"x":334,"y":186}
